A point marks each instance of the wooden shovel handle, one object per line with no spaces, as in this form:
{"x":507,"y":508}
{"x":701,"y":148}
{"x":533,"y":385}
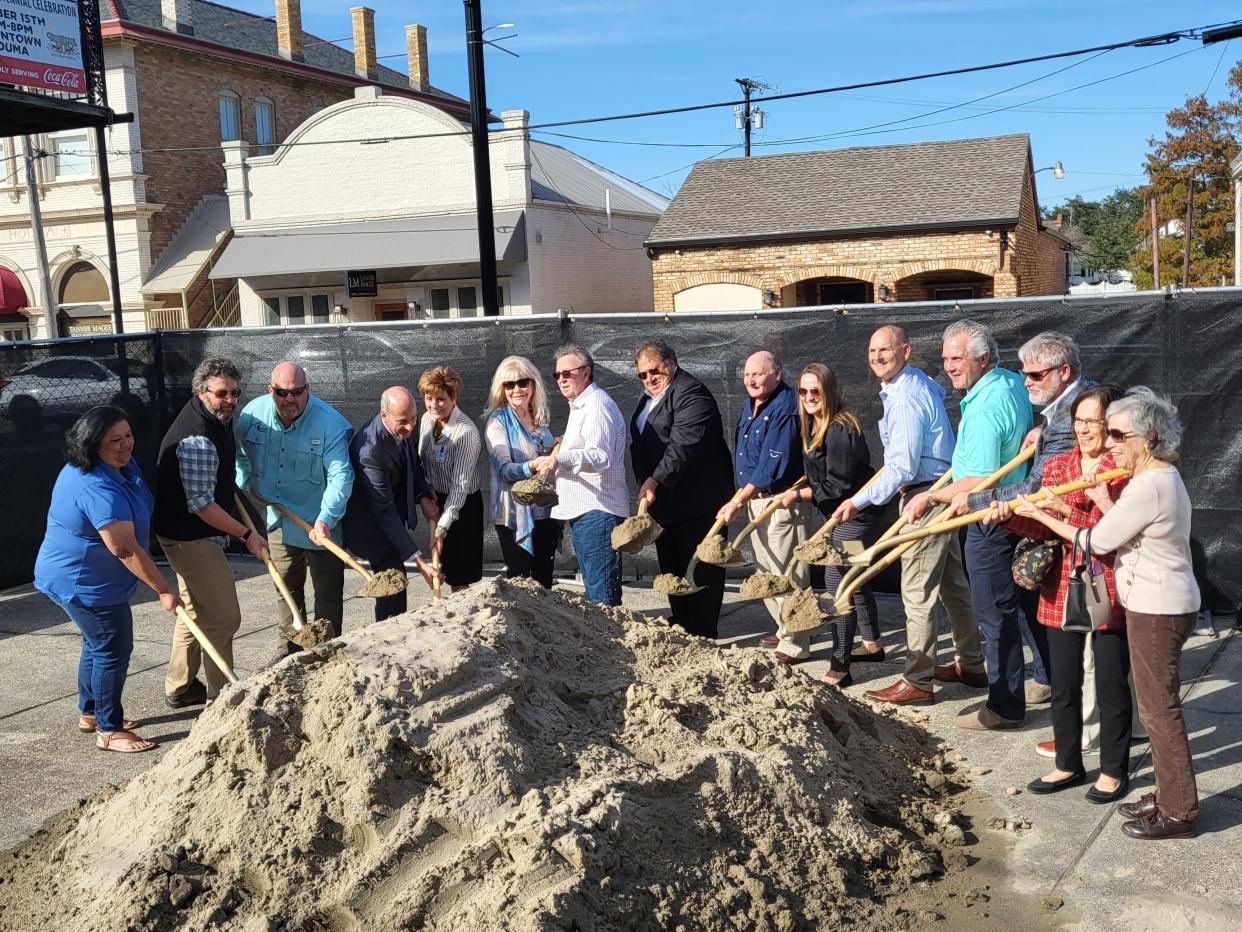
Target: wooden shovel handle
{"x":206,"y":645}
{"x":271,"y":567}
{"x":435,"y":576}
{"x":344,"y":555}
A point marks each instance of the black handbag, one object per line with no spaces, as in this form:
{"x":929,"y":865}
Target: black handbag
{"x":1087,"y":605}
{"x":1033,"y":560}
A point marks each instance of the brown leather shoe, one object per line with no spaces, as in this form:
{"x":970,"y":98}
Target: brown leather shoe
{"x":1145,"y":806}
{"x":986,"y":720}
{"x":1157,"y":825}
{"x":953,"y":673}
{"x":1037,"y":693}
{"x":770,"y":640}
{"x":901,"y":693}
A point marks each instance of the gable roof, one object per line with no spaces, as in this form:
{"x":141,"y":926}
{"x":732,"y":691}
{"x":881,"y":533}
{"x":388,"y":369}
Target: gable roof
{"x":925,"y":185}
{"x":249,"y":32}
{"x":564,"y":177}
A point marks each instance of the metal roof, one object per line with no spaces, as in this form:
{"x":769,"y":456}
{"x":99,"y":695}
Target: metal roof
{"x":561,"y":176}
{"x":926,"y":185}
{"x":191,"y":248}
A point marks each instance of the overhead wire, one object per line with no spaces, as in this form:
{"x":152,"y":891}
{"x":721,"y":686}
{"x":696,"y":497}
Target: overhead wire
{"x":569,"y":204}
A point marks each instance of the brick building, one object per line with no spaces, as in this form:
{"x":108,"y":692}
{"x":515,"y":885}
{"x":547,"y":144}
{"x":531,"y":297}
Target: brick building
{"x":193,"y":74}
{"x":931,"y":221}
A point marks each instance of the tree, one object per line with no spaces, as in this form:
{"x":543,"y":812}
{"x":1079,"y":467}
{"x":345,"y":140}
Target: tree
{"x":1192,"y":162}
{"x":1109,"y":228}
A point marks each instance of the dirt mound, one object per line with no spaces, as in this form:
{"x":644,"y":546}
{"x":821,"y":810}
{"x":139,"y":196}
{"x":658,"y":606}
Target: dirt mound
{"x":538,"y":490}
{"x":506,"y":759}
{"x":764,"y":586}
{"x":818,"y":550}
{"x":635,"y":533}
{"x":715,"y":550}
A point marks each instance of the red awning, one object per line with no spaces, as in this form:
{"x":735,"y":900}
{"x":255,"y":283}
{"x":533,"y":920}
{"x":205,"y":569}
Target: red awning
{"x":12,"y":294}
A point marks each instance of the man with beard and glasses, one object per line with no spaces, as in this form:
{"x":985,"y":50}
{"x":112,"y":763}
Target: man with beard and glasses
{"x":293,"y":451}
{"x":195,"y":515}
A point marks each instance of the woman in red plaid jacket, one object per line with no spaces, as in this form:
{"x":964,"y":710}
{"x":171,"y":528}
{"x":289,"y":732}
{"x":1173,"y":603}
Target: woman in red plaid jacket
{"x":1067,"y":650}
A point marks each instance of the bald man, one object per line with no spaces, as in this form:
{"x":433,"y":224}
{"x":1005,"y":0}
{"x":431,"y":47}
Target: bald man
{"x":389,"y":491}
{"x":293,"y":450}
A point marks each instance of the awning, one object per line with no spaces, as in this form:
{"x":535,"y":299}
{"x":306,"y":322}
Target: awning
{"x":12,"y":294}
{"x":191,"y":248}
{"x":382,"y":244}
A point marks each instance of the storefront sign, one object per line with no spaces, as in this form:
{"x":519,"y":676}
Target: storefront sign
{"x":41,"y":45}
{"x":361,"y":284}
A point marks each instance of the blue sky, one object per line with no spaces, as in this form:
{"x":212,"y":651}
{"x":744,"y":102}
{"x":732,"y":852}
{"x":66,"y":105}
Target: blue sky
{"x":581,"y":59}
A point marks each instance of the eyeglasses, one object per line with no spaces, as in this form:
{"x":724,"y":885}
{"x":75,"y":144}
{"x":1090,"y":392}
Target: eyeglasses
{"x":1038,"y":376}
{"x":286,"y":392}
{"x":561,"y":374}
{"x":516,"y":383}
{"x":651,"y":373}
{"x":1088,"y":421}
{"x":222,"y":393}
{"x":1117,"y":436}
{"x":808,"y":392}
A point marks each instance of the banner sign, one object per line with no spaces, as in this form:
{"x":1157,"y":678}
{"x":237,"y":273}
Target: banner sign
{"x":361,"y":284}
{"x":41,"y":45}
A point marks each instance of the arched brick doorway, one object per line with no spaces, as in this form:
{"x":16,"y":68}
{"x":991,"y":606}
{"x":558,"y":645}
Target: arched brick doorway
{"x":945,"y":285}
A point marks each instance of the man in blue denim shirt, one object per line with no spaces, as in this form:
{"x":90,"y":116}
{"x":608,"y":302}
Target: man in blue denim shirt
{"x":767,"y":460}
{"x":293,"y":449}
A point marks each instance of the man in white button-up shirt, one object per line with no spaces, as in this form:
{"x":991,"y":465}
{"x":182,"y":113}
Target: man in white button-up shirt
{"x":590,"y":473}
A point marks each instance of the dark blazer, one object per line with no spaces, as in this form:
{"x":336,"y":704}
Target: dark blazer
{"x":682,"y":447}
{"x":388,"y":484}
{"x":838,"y":468}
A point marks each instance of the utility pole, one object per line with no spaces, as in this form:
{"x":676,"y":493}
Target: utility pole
{"x":1188,"y":238}
{"x":1155,"y":245}
{"x":482,"y":158}
{"x":36,"y":227}
{"x":745,"y":116}
{"x":114,"y":273}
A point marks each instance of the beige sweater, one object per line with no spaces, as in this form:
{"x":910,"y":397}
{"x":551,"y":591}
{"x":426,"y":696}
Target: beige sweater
{"x":1149,"y":527}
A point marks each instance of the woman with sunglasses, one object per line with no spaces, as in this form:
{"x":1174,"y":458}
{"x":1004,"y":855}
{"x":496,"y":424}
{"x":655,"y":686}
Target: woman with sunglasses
{"x":449,"y":446}
{"x":838,"y":464}
{"x":516,"y":431}
{"x":1090,"y":673}
{"x":1149,"y":528}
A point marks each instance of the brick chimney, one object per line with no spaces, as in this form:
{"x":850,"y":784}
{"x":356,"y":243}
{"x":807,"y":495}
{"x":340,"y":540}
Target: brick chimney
{"x":177,"y":16}
{"x":416,"y":50}
{"x":365,"y":64}
{"x":289,"y":29}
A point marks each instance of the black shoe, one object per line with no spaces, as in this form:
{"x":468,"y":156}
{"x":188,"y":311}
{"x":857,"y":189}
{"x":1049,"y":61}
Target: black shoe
{"x":1100,"y":796}
{"x":1157,"y":825}
{"x":867,"y":657}
{"x":194,"y":694}
{"x":1145,"y":806}
{"x":1044,"y":786}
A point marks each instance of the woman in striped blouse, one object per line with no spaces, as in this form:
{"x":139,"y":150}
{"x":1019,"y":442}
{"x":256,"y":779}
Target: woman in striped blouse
{"x":449,"y":446}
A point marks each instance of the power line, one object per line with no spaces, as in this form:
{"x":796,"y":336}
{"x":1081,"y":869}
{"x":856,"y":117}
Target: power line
{"x":535,"y":155}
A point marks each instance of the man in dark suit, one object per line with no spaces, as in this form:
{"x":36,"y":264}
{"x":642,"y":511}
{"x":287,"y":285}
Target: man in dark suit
{"x":682,"y":465}
{"x":389,"y":488}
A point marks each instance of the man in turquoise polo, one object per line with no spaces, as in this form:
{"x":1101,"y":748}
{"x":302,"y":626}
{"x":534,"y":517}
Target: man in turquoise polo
{"x":996,"y":416}
{"x":293,"y":450}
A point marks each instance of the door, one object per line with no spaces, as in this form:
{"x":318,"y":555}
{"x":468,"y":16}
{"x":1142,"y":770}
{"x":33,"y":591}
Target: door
{"x":390,"y":310}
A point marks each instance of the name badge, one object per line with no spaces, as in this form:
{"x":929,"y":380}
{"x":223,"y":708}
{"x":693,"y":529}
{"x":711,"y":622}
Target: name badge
{"x":441,"y":455}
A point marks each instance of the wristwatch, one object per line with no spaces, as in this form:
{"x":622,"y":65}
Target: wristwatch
{"x":245,"y":537}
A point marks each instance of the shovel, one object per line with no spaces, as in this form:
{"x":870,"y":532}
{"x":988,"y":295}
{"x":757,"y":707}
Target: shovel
{"x":302,"y":634}
{"x":720,"y":552}
{"x":206,"y":645}
{"x":435,"y":575}
{"x":635,"y":533}
{"x":375,"y":585}
{"x":845,"y":592}
{"x":670,"y":584}
{"x":538,"y":490}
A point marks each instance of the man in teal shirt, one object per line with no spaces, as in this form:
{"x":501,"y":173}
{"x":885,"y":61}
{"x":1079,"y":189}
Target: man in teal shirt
{"x":293,"y":450}
{"x":996,"y":416}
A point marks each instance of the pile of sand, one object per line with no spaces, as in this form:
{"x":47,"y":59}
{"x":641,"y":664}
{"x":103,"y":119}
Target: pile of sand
{"x":801,"y":612}
{"x":715,"y":549}
{"x":507,"y":759}
{"x":818,"y":550}
{"x":538,"y":490}
{"x":764,"y":586}
{"x":384,"y":583}
{"x":672,"y":584}
{"x":635,"y":533}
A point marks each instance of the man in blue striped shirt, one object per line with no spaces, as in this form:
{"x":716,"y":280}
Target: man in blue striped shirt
{"x":918,"y":449}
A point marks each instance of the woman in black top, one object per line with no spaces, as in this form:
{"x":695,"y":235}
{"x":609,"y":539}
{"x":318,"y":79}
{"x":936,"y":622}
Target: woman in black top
{"x":838,"y":464}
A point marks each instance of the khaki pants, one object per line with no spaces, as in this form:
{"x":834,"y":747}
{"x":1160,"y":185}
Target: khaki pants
{"x":932,"y":569}
{"x":774,"y":541}
{"x":209,"y":592}
{"x":327,"y":574}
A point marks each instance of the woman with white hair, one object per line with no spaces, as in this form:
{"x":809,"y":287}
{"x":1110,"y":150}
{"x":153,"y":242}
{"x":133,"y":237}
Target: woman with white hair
{"x":516,"y":431}
{"x":1149,"y":528}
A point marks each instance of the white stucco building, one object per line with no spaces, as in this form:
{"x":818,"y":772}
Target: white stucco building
{"x":385,"y":185}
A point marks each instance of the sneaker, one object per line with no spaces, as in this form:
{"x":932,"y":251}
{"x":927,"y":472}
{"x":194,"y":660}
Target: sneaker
{"x":194,"y":694}
{"x":1049,"y":749}
{"x":1037,"y":693}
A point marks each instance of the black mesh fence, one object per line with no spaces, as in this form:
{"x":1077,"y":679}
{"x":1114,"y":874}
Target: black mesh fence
{"x":1181,"y":344}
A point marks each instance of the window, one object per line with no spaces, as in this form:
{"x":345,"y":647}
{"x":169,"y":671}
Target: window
{"x":295,"y":309}
{"x":272,"y":308}
{"x":467,"y":303}
{"x":230,"y":116}
{"x":264,"y":126}
{"x":319,"y":308}
{"x":10,"y":164}
{"x":439,"y":302}
{"x":15,"y":333}
{"x":71,"y":156}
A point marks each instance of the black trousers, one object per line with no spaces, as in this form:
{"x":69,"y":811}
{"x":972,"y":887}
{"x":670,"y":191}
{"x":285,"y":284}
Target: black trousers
{"x":1112,"y":695}
{"x":699,"y":613}
{"x":389,"y":605}
{"x":538,"y":566}
{"x":865,"y":616}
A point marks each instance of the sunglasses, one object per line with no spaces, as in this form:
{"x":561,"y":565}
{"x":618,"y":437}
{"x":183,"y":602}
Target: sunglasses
{"x":561,"y":374}
{"x":516,"y":383}
{"x":1117,"y":436}
{"x":1038,"y":376}
{"x":651,"y":373}
{"x":808,"y":392}
{"x":222,"y":393}
{"x":286,"y":392}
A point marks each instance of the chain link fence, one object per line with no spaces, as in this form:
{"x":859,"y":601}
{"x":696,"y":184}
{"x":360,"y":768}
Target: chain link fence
{"x":1180,"y":344}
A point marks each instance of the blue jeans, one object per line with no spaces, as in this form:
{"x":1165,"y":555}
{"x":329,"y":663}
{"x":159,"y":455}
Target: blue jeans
{"x":994,"y":596}
{"x":107,"y":642}
{"x":599,"y":563}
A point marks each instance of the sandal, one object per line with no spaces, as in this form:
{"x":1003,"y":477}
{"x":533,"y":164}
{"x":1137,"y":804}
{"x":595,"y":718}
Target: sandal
{"x":86,"y":724}
{"x":123,"y":742}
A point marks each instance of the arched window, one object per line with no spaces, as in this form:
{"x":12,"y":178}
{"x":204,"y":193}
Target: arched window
{"x":264,"y":126}
{"x":83,"y":284}
{"x":230,"y":116}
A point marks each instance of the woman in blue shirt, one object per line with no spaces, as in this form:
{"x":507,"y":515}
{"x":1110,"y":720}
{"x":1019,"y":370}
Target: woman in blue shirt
{"x":93,"y":554}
